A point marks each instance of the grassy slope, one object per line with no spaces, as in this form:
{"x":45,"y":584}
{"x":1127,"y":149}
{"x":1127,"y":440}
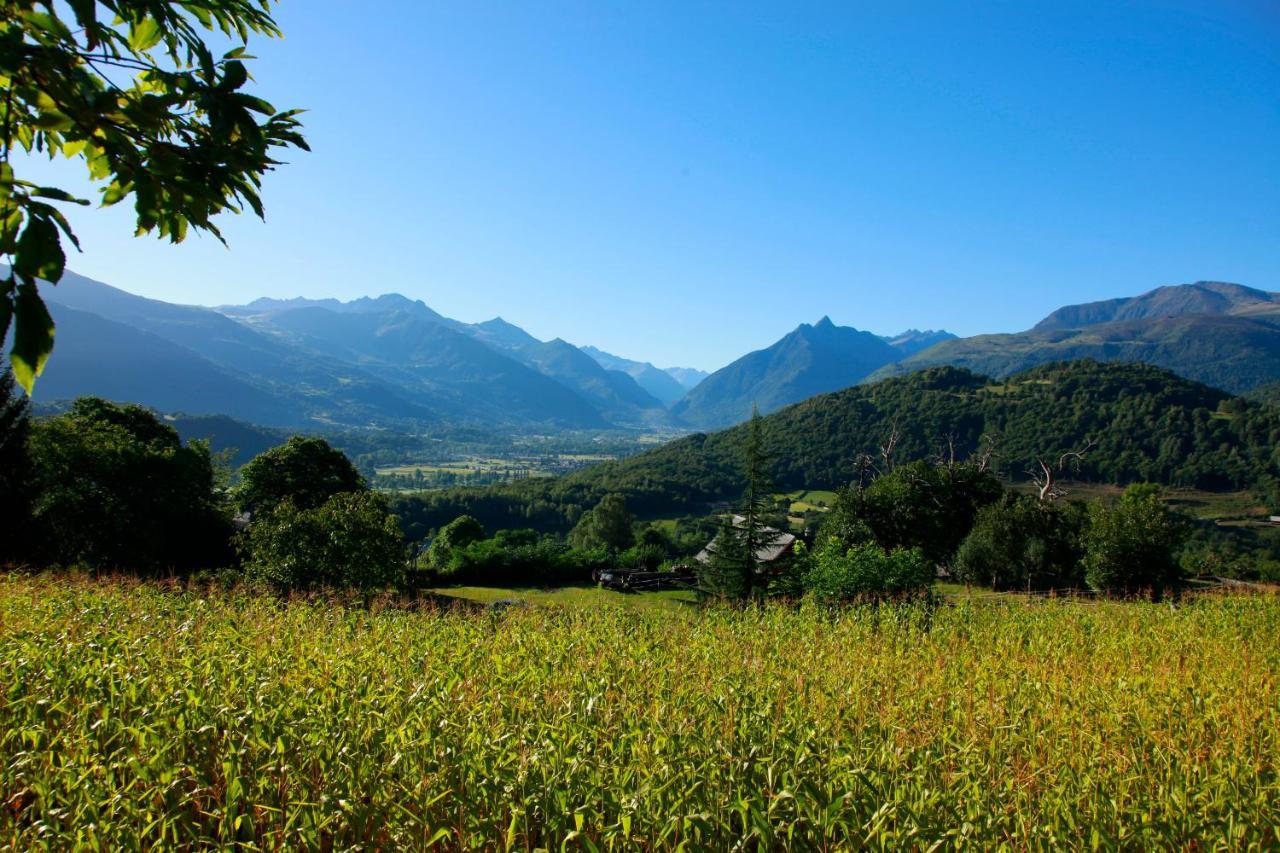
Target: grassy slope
{"x":138,"y":718}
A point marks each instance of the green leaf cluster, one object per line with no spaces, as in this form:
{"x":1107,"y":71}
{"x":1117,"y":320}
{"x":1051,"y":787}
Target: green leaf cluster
{"x":834,"y":572}
{"x":608,"y":525}
{"x":304,"y":470}
{"x":131,"y":89}
{"x":1130,"y":546}
{"x":348,"y":541}
{"x":1023,"y":543}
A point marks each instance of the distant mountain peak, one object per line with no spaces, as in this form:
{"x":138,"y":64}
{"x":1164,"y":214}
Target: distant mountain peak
{"x":809,"y":360}
{"x":663,"y":385}
{"x":913,"y":341}
{"x":1208,"y":298}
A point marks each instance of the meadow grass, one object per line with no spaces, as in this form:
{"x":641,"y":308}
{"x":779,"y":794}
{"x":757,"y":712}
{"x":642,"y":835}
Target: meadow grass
{"x":138,"y":717}
{"x":582,"y":595}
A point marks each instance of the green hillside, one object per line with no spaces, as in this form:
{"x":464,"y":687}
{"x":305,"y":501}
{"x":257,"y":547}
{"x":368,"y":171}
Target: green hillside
{"x":1149,"y":425}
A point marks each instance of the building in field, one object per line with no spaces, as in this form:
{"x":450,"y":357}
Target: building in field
{"x":773,"y":551}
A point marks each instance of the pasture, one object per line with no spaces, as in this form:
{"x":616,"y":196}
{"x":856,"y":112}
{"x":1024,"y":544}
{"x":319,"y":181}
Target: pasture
{"x":136,"y":716}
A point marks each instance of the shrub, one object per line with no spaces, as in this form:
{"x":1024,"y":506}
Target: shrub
{"x":1130,"y":545}
{"x":520,"y":558}
{"x":350,"y":540}
{"x":836,"y":573}
{"x":645,"y":558}
{"x":1020,"y":542}
{"x":459,"y":533}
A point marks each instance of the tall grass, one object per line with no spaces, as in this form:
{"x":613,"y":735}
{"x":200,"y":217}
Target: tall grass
{"x":134,"y":717}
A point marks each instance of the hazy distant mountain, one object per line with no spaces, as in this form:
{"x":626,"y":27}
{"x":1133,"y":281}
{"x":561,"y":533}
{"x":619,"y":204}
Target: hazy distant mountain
{"x":387,"y":360}
{"x":265,"y":305}
{"x":501,"y":333}
{"x":689,"y":377}
{"x":96,"y":356}
{"x":913,"y":340}
{"x":810,"y":360}
{"x":289,"y":386}
{"x":404,"y":341}
{"x":1225,"y":335}
{"x":408,"y":348}
{"x":613,"y":391}
{"x":659,"y":383}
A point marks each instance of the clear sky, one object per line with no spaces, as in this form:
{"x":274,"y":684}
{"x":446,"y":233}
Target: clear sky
{"x":684,"y":182}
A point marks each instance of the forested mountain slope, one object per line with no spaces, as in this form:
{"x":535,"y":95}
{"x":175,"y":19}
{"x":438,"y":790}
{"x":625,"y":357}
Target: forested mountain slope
{"x":1148,"y":425}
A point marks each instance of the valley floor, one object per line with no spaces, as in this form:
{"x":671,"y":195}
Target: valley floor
{"x":134,"y":716}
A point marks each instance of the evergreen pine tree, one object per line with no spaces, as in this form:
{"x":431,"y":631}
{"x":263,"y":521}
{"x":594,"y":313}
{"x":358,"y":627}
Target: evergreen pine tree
{"x":733,"y":568}
{"x":727,"y":572}
{"x":757,"y":500}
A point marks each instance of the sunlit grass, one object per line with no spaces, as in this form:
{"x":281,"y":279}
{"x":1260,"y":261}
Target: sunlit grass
{"x":571,"y":595}
{"x":134,"y":717}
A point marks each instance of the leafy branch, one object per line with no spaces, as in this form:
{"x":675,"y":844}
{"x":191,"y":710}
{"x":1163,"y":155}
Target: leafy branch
{"x":182,"y":138}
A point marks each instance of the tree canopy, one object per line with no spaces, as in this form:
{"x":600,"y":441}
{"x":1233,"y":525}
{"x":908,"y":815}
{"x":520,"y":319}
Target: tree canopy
{"x":306,"y":471}
{"x":132,"y":90}
{"x":115,"y":488}
{"x":349,"y":540}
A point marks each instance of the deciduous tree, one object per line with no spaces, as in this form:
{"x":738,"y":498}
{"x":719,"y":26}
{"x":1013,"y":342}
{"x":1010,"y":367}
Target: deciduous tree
{"x":349,"y":541}
{"x":131,"y":89}
{"x":306,"y":471}
{"x":115,"y":488}
{"x":608,"y":525}
{"x":15,"y":470}
{"x":1130,"y":545}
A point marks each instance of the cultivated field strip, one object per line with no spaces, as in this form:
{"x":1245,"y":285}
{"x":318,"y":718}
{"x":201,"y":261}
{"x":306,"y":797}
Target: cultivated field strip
{"x":133,"y":717}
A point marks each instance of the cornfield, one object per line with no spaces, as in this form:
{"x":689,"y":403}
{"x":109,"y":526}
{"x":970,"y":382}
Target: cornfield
{"x":134,"y":716}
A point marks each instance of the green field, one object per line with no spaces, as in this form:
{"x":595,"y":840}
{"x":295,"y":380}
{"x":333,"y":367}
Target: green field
{"x":803,"y":500}
{"x":1215,"y":506}
{"x":137,"y":717}
{"x":570,"y":595}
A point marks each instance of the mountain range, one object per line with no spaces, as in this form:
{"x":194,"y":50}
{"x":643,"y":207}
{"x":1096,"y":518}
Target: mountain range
{"x":387,"y":361}
{"x":812,"y":359}
{"x":1225,"y":335}
{"x":393,"y":362}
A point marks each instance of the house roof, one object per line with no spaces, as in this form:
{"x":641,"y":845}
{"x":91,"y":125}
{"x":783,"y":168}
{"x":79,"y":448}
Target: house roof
{"x":775,"y":544}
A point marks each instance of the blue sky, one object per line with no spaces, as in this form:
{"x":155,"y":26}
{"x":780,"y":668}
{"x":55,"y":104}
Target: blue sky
{"x":684,"y":182}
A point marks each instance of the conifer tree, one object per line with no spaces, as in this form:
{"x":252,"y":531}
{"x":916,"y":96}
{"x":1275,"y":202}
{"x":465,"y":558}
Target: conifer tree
{"x":733,"y":566}
{"x":757,"y":500}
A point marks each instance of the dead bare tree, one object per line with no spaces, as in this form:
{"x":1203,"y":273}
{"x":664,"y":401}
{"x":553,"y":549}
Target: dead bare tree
{"x":867,"y":471}
{"x":989,"y":450}
{"x":946,"y":455}
{"x":887,"y":449}
{"x":1045,"y":473}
